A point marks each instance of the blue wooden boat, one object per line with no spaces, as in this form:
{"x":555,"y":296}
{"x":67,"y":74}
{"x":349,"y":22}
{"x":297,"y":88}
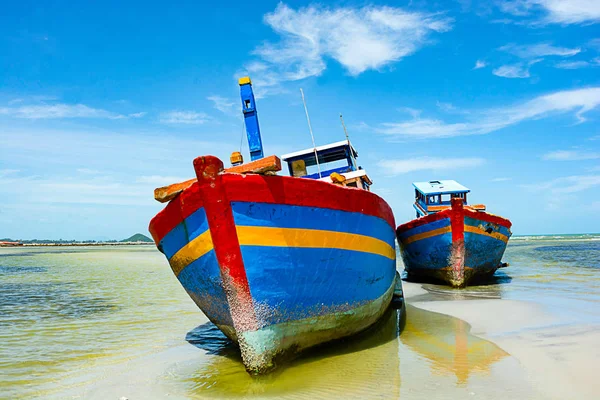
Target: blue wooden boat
{"x":280,"y":263}
{"x":451,"y":240}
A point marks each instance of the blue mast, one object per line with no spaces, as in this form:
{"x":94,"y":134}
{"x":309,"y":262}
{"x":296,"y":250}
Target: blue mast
{"x":251,"y":119}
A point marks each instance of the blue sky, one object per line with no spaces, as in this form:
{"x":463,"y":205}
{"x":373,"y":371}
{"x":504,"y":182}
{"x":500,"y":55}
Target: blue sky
{"x":100,"y":103}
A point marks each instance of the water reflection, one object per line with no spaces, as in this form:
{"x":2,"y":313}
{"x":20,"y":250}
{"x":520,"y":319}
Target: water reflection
{"x":360,"y":367}
{"x":357,"y":367}
{"x":446,"y":343}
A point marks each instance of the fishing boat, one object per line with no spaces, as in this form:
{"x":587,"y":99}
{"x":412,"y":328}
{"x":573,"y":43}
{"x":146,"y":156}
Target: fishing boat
{"x":280,"y":263}
{"x":451,"y":240}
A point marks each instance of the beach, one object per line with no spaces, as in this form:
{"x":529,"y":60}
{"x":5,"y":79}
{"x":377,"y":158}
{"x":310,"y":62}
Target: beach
{"x":104,"y":323}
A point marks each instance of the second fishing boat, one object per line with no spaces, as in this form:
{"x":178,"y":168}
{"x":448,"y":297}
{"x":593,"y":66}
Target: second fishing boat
{"x":451,"y":240}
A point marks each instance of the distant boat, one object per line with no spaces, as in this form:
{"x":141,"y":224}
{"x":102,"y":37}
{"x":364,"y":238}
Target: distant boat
{"x":451,"y":240}
{"x":280,"y":263}
{"x":5,"y":243}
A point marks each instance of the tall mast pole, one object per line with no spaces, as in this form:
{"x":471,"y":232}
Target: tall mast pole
{"x":348,"y":139}
{"x":311,"y":133}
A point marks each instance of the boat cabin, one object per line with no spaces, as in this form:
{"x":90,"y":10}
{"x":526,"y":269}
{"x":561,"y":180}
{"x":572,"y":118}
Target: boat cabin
{"x":434,"y":196}
{"x":336,"y":164}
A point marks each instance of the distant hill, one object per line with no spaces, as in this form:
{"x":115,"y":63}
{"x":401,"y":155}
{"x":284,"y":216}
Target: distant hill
{"x":138,"y":237}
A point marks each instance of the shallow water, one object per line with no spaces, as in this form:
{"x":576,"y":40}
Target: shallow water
{"x":68,"y":315}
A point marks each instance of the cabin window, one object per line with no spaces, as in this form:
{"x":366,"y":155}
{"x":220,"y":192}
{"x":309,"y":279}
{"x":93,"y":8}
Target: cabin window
{"x":445,"y":198}
{"x":352,"y":184}
{"x":247,"y":104}
{"x":433,"y":200}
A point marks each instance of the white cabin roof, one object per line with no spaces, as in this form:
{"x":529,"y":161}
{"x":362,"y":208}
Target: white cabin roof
{"x":311,"y":151}
{"x":440,"y":187}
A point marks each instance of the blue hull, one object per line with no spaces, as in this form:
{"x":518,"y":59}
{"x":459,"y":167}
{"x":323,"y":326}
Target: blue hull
{"x":313,"y":274}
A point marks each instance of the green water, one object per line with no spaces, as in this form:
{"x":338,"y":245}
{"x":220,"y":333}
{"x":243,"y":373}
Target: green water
{"x":69,"y":315}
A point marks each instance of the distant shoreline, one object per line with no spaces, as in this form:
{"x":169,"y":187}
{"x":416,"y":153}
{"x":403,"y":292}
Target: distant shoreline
{"x":78,"y":244}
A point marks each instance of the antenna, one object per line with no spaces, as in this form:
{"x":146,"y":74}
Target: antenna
{"x":348,"y":139}
{"x":311,"y":133}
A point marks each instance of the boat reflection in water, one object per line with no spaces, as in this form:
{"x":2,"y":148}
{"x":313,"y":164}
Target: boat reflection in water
{"x":356,"y":367}
{"x":448,"y":345}
{"x":427,"y":344}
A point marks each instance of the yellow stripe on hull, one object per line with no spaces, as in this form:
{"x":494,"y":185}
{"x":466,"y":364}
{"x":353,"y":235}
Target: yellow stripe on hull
{"x":425,"y":235}
{"x":191,"y":252}
{"x":479,"y":231}
{"x":312,"y":238}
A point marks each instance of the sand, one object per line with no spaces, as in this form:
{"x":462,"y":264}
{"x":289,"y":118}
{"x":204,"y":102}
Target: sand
{"x":548,"y":358}
{"x":560,"y":357}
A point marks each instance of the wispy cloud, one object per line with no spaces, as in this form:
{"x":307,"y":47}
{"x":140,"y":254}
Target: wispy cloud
{"x":137,"y":115}
{"x":570,"y":155}
{"x":480,"y":64}
{"x":566,"y":185}
{"x":539,"y":50}
{"x":578,"y":64}
{"x":518,"y":70}
{"x":7,"y":172}
{"x":226,"y":106}
{"x":530,"y":54}
{"x":503,"y":179}
{"x":578,"y":101}
{"x":360,"y":39}
{"x":398,"y":167}
{"x":554,"y":11}
{"x":49,"y":111}
{"x":184,"y":117}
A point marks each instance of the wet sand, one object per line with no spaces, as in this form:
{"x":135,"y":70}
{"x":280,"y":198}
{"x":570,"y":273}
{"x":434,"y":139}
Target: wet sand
{"x":531,"y":333}
{"x":559,"y":356}
{"x":492,"y":348}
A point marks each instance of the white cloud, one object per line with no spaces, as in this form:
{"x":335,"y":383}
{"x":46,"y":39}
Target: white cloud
{"x":503,"y":179}
{"x":480,"y":64}
{"x":46,"y":111}
{"x":226,"y":106}
{"x":578,"y":64}
{"x":555,"y":11}
{"x":360,"y":39}
{"x":568,"y":184}
{"x":518,"y":70}
{"x":137,"y":115}
{"x":398,"y":167}
{"x":577,"y":101}
{"x":570,"y":155}
{"x":539,"y":50}
{"x":184,"y":117}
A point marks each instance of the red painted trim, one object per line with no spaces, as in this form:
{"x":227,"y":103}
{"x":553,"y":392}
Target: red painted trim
{"x":212,"y":188}
{"x":423,"y":220}
{"x":494,"y":219}
{"x":457,"y":220}
{"x":305,"y":192}
{"x":273,"y":189}
{"x":448,"y":213}
{"x":178,"y":209}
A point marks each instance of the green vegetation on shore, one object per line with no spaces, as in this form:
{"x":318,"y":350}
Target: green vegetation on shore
{"x":138,"y":237}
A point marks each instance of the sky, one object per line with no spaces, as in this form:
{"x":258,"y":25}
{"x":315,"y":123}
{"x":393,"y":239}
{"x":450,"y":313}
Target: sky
{"x":102,"y":102}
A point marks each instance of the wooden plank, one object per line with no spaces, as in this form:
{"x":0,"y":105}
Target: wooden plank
{"x":168,"y":193}
{"x":267,"y":164}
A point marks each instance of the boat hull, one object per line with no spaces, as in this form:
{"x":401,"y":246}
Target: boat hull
{"x":278,"y":263}
{"x":455,"y":245}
